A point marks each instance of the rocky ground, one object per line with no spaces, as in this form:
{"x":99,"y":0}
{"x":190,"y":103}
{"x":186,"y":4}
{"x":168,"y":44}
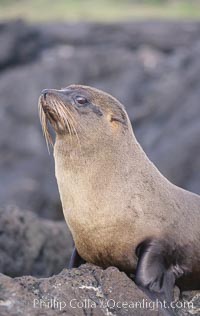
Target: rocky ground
{"x":86,"y":291}
{"x":31,"y":245}
{"x":154,"y":69}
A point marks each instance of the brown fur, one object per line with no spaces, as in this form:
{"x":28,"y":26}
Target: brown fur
{"x":113,"y":197}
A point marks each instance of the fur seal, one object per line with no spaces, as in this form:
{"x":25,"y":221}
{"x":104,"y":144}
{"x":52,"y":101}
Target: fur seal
{"x":120,"y":209}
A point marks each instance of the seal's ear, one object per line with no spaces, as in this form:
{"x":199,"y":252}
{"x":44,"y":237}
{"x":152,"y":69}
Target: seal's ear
{"x":116,"y":118}
{"x":156,"y":272}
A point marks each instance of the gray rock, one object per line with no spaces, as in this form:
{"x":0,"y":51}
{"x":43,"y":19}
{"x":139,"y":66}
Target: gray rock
{"x":161,"y":35}
{"x":19,"y":43}
{"x":88,"y":290}
{"x":160,"y":90}
{"x":30,"y":245}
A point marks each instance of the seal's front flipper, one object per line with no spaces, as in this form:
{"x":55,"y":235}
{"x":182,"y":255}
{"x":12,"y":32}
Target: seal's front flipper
{"x":157,"y":271}
{"x":75,"y":260}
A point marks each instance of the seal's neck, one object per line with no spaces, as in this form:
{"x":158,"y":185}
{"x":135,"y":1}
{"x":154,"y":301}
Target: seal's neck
{"x":104,"y":169}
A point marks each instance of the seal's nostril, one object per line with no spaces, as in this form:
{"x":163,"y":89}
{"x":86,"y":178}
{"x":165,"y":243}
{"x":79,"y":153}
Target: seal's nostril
{"x":44,"y":93}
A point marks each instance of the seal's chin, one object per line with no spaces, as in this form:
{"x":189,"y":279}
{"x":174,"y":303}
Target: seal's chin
{"x":49,"y":111}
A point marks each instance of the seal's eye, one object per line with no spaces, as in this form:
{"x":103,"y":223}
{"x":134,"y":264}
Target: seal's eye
{"x":81,"y":100}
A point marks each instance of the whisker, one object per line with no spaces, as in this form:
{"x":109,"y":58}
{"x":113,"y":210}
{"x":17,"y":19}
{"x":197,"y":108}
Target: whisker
{"x":68,"y":117}
{"x":62,"y":115}
{"x":44,"y":124}
{"x":73,"y":123}
{"x":65,"y":117}
{"x":70,"y":114}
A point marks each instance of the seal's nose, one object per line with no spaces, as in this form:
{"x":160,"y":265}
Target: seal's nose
{"x":44,"y":93}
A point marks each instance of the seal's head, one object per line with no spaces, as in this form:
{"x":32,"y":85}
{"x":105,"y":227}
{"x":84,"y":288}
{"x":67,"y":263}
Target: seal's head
{"x":83,"y":113}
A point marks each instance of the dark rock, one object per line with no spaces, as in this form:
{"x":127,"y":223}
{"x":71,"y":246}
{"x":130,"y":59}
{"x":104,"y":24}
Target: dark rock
{"x":163,"y":36}
{"x":160,"y":91}
{"x":29,"y":245}
{"x":19,"y":43}
{"x":88,"y":290}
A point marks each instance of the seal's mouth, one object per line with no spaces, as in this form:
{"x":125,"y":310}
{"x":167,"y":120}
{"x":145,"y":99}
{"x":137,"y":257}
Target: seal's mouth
{"x":53,"y":110}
